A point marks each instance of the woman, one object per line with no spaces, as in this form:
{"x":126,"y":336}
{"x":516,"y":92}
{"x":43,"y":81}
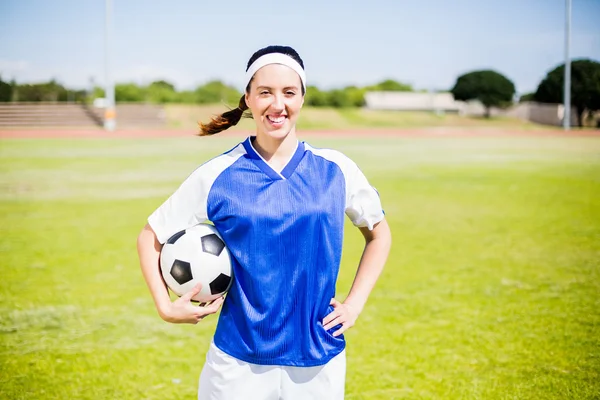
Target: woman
{"x":279,"y":205}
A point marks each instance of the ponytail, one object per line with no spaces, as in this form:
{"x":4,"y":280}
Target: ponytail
{"x":225,"y":120}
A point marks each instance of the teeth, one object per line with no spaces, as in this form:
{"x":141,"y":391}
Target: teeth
{"x":277,"y":119}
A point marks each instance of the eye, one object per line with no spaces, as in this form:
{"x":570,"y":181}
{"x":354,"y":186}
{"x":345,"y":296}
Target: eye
{"x":290,"y":93}
{"x":264,"y":92}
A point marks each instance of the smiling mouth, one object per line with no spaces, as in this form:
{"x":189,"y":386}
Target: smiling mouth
{"x":276,"y":120}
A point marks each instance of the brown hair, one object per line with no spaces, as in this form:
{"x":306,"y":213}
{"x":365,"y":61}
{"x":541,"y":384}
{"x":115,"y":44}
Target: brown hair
{"x":224,"y":121}
{"x":232,"y":117}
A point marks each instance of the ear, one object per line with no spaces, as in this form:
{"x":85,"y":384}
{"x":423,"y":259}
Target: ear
{"x":247,"y":99}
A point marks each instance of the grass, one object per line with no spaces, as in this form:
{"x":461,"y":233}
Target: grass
{"x":492,"y":289}
{"x":188,"y":116}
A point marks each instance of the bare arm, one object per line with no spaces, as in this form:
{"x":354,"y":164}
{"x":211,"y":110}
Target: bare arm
{"x":181,"y":310}
{"x":377,"y":247}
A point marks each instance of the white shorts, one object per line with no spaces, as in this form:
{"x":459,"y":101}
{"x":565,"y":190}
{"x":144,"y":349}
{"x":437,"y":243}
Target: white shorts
{"x":224,"y":377}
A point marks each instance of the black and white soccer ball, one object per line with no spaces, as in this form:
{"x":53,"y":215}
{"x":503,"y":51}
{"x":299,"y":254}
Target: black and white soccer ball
{"x":197,"y":254}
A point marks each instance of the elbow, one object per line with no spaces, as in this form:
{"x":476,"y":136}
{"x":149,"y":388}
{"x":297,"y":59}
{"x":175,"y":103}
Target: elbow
{"x":382,"y":234}
{"x":386,"y":234}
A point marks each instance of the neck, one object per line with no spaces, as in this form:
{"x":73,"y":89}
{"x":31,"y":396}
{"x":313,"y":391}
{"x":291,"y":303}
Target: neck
{"x":276,"y":151}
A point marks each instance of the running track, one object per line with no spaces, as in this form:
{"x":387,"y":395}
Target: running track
{"x":419,"y":132}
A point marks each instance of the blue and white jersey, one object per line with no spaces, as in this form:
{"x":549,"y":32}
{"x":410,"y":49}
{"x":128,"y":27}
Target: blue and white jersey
{"x":284,"y":231}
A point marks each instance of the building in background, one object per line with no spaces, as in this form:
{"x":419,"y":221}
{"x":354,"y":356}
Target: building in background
{"x":442,"y":103}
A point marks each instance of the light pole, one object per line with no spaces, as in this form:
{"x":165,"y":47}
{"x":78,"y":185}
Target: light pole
{"x":567,"y":88}
{"x":109,"y":110}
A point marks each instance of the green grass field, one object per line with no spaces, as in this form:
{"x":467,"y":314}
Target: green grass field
{"x":492,"y":289}
{"x":323,"y":118}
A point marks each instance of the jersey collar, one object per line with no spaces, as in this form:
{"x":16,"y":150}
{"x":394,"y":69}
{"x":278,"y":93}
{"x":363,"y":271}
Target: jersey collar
{"x":286,"y":172}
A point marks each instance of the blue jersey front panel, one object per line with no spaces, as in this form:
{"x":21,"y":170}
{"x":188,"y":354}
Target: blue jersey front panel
{"x":285,"y":236}
{"x":285,"y":233}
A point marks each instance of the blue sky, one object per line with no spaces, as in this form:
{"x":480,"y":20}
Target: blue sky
{"x":426,"y":43}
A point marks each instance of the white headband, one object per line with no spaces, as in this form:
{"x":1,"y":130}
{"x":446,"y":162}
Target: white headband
{"x":275,"y":58}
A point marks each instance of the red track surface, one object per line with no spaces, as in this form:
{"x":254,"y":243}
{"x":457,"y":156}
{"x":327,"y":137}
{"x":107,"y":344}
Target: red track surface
{"x":418,"y":132}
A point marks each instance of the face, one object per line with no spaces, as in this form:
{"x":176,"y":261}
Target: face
{"x":275,"y":99}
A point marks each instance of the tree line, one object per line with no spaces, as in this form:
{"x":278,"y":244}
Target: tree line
{"x":491,"y":88}
{"x":51,"y":91}
{"x":161,"y":92}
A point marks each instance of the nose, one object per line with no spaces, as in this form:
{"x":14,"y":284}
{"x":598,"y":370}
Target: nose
{"x":278,"y":102}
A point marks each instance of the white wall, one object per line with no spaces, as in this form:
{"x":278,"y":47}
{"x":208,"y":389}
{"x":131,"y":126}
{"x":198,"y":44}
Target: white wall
{"x":546,"y":114}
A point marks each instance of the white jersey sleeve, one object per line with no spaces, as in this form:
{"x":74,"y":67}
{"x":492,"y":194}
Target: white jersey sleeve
{"x":188,"y":205}
{"x":363,"y":204}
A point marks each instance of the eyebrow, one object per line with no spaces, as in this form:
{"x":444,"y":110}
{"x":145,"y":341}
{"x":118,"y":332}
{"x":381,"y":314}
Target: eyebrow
{"x":285,"y":88}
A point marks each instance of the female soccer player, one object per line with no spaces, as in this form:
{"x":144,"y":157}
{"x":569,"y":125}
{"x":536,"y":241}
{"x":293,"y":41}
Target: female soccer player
{"x":280,"y":206}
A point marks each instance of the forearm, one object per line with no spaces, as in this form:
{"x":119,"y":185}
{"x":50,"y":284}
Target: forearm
{"x":374,"y":257}
{"x":149,"y":253}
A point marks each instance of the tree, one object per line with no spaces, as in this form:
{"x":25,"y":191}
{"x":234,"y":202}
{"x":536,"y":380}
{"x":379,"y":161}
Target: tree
{"x":585,"y":86}
{"x":163,"y":85}
{"x":161,"y":92}
{"x":316,"y":97}
{"x":339,"y":98}
{"x":49,"y":91}
{"x":98,"y":92}
{"x":355,"y":95}
{"x":217,"y":92}
{"x":491,"y":88}
{"x":390,"y":85}
{"x":129,"y":92}
{"x":6,"y":91}
{"x":526,"y":97}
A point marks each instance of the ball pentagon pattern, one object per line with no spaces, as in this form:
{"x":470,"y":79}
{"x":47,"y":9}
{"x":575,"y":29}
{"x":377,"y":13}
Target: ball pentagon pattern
{"x":197,"y":254}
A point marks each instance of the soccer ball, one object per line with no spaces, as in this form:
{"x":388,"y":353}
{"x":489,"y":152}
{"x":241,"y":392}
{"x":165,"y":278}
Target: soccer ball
{"x":197,"y":254}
